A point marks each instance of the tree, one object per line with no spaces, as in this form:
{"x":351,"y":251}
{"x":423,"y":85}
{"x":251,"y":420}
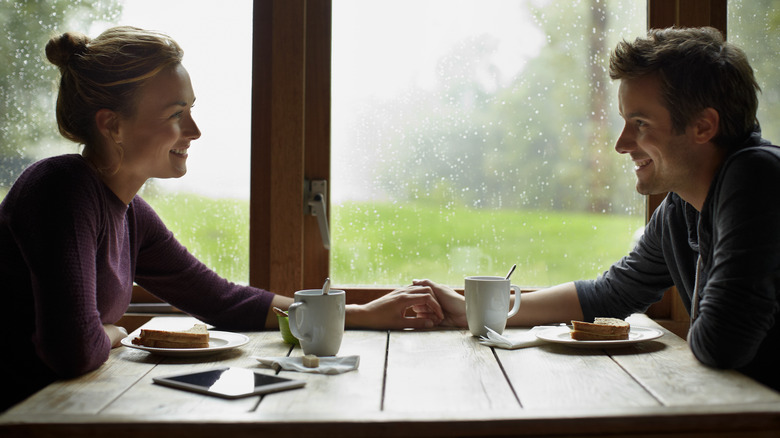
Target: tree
{"x":754,"y":26}
{"x":542,"y":142}
{"x":28,"y":82}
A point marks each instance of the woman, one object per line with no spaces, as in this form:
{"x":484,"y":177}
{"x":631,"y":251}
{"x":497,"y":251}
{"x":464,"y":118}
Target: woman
{"x":74,"y":236}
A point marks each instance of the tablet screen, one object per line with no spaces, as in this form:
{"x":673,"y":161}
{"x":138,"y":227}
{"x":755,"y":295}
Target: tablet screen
{"x":230,"y":382}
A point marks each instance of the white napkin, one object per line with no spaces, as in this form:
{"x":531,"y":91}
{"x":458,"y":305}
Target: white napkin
{"x":527,"y":339}
{"x":328,"y":365}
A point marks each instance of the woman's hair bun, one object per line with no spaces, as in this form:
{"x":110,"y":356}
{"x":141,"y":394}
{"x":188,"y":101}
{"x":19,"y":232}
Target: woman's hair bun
{"x":60,"y":49}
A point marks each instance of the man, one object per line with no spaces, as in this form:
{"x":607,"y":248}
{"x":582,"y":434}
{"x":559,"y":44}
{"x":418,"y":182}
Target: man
{"x":689,"y":102}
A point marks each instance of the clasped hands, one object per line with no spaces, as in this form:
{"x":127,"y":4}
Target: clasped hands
{"x":423,"y":304}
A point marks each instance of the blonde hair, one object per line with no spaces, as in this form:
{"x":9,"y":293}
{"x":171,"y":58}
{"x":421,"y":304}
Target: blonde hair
{"x":105,"y":72}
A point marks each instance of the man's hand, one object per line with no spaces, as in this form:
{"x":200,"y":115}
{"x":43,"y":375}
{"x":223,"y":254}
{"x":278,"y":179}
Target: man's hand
{"x":391,"y":311}
{"x":453,"y":303}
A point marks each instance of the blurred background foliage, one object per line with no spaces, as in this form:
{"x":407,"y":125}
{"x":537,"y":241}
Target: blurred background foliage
{"x":28,"y":82}
{"x":534,"y":156}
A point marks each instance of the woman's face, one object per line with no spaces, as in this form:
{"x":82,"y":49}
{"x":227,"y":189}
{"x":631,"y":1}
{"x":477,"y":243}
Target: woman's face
{"x":156,"y":138}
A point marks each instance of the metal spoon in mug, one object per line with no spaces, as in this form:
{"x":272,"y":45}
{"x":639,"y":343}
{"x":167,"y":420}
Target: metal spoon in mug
{"x":511,"y":271}
{"x":326,"y":286}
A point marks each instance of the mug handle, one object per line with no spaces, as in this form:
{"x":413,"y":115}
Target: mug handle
{"x":516,"y":307}
{"x":295,"y":322}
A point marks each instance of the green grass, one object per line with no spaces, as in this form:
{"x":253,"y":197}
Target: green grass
{"x":384,"y":244}
{"x":215,"y":230}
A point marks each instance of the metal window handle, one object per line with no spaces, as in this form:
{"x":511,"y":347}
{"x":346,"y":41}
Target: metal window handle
{"x":315,"y":200}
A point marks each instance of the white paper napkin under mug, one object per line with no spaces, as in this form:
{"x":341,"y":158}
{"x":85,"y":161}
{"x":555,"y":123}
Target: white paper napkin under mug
{"x":523,"y":340}
{"x":328,"y":365}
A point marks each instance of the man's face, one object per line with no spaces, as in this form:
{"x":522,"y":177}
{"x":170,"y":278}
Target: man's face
{"x":662,"y":158}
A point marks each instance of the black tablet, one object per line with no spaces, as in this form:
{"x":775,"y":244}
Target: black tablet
{"x":230,"y":382}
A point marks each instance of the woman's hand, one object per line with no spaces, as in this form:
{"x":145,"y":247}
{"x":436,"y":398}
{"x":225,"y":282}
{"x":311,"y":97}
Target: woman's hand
{"x":452,"y":303}
{"x":115,"y":334}
{"x":407,"y":307}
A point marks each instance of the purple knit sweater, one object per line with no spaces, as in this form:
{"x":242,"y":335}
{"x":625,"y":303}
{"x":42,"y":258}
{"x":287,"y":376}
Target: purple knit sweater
{"x":70,"y":251}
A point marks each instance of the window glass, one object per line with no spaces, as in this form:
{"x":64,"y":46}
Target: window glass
{"x":28,"y":129}
{"x":471,"y":135}
{"x":207,"y":209}
{"x":754,"y":26}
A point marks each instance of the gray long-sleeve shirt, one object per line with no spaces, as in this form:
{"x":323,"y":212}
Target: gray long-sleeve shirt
{"x":737,"y":235}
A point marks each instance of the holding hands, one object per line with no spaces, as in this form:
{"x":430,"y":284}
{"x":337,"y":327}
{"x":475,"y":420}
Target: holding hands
{"x":452,"y":303}
{"x":423,"y":304}
{"x":408,"y":307}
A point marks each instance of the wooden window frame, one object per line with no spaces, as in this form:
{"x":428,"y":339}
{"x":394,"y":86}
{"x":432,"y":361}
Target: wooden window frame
{"x":291,"y":71}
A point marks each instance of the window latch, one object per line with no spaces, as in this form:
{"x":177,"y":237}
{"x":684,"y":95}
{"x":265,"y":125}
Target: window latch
{"x":315,"y":205}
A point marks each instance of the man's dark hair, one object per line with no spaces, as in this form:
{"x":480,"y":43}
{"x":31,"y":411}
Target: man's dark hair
{"x":697,"y":70}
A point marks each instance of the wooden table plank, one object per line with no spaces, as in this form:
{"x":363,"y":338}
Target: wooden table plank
{"x":438,"y":384}
{"x":667,"y":368}
{"x":662,"y":372}
{"x":441,"y":373}
{"x":123,"y":387}
{"x":337,"y":397}
{"x":175,"y":403}
{"x":91,"y":393}
{"x":561,"y":377}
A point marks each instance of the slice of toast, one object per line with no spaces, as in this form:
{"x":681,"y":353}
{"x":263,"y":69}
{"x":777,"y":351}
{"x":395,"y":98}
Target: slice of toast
{"x":196,"y":337}
{"x":600,"y":329}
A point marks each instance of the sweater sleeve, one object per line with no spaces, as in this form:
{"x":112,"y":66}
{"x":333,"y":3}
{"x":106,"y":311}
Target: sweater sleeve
{"x":54,"y":217}
{"x":166,"y":269}
{"x":739,"y":300}
{"x":634,"y":282}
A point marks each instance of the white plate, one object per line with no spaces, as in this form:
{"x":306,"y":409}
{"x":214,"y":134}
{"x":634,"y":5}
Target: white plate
{"x":218,"y":341}
{"x":561,"y":335}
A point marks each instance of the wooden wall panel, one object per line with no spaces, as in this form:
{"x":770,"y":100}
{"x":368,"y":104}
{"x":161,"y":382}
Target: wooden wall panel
{"x":278,"y":92}
{"x":317,"y":133}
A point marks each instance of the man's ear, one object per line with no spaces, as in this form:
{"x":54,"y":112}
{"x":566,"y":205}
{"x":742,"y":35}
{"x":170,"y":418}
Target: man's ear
{"x":107,"y":122}
{"x":706,"y":125}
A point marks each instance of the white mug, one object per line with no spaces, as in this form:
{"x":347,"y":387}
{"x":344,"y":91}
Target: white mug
{"x":487,"y":303}
{"x":317,"y":320}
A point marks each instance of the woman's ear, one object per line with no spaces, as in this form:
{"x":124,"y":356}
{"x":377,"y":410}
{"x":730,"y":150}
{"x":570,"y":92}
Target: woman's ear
{"x":107,"y":122}
{"x":706,"y":125}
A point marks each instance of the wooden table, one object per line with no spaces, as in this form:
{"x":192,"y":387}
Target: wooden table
{"x":416,"y":383}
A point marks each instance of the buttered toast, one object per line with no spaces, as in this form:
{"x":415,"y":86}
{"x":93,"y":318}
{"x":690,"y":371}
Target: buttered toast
{"x":196,"y":337}
{"x":601,"y":329}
